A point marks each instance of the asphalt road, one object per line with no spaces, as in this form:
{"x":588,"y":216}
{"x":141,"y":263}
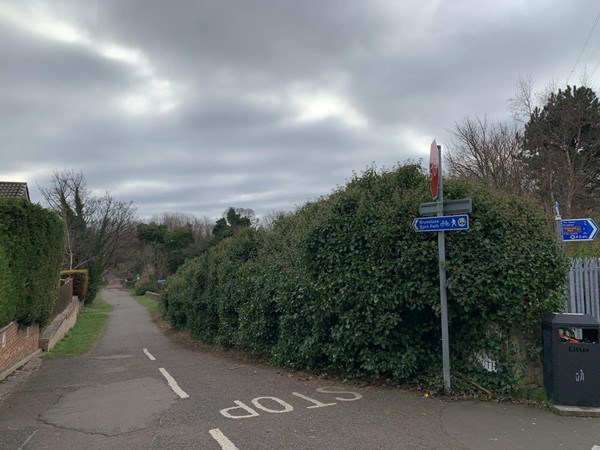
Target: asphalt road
{"x":137,"y":389}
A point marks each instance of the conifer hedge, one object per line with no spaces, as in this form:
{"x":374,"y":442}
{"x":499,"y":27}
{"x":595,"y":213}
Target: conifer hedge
{"x":32,"y":247}
{"x":7,"y":303}
{"x":346,"y":285}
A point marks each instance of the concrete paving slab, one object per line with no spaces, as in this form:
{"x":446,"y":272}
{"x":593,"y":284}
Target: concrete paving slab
{"x":112,"y":409}
{"x":576,"y":411}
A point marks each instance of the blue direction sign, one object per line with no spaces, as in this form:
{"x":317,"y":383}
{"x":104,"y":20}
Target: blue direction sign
{"x":443,"y":223}
{"x":579,"y":230}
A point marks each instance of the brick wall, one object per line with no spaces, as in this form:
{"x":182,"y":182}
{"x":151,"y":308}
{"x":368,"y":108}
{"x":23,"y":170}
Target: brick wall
{"x":16,"y":345}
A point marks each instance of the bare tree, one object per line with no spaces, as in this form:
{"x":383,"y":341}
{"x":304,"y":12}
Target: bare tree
{"x":527,"y":99}
{"x":65,"y":196}
{"x":201,"y":227}
{"x":549,"y":152}
{"x":113,"y":227}
{"x":267,"y":221}
{"x":488,"y":153}
{"x":100,"y":230}
{"x":173,"y":220}
{"x":524,"y":102}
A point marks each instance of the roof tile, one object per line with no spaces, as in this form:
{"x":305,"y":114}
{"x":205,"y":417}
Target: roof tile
{"x":14,"y":189}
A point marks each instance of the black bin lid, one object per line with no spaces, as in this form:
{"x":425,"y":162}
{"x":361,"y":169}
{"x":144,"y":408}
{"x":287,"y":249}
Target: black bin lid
{"x":570,"y":320}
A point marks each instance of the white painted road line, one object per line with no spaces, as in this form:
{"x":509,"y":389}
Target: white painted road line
{"x":225,"y":443}
{"x":152,"y":358}
{"x":173,"y":383}
{"x":27,"y":440}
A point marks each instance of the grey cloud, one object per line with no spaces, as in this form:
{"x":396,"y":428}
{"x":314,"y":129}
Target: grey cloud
{"x":233,"y":138}
{"x":259,"y":36}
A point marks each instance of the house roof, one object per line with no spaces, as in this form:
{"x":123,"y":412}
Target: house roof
{"x":14,"y":189}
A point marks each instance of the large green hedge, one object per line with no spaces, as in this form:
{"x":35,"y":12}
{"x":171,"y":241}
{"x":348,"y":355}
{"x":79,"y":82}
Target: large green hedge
{"x":7,"y":304}
{"x":32,"y":241}
{"x":345,"y":284}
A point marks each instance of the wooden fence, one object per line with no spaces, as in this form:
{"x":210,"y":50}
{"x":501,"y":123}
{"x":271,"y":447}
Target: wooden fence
{"x":65,"y":295}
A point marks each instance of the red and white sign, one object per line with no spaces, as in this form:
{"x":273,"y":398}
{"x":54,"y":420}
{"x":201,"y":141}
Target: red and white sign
{"x":434,"y":170}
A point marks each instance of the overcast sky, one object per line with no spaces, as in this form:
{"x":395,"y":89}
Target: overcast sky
{"x":198,"y":105}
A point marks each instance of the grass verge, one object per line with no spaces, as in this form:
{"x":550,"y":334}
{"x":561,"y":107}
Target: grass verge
{"x":87,"y":329}
{"x":151,"y":304}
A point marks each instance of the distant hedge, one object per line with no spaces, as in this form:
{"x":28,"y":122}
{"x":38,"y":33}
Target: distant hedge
{"x":32,"y":239}
{"x":346,"y":285}
{"x":80,"y":283}
{"x":146,"y":286}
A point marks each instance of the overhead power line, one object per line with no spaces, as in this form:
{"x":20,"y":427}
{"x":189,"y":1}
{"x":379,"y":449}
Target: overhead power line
{"x":594,"y":69}
{"x":587,"y":40}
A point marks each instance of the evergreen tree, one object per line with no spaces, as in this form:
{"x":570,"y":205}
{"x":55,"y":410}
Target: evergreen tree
{"x":562,"y":150}
{"x":233,"y":220}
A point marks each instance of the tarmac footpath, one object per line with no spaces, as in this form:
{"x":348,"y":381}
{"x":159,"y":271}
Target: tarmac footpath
{"x":138,"y":389}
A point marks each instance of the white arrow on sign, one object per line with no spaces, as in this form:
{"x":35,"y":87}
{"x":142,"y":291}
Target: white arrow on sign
{"x":594,"y":229}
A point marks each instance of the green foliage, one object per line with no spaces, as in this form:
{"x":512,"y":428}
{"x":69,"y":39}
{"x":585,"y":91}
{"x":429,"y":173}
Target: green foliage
{"x":562,"y":148}
{"x":142,"y":288}
{"x":171,"y":247}
{"x":232,"y":222}
{"x":503,"y":274}
{"x":179,"y":245}
{"x":346,"y":285}
{"x":80,"y":282}
{"x":7,"y":304}
{"x":222,"y":229}
{"x":33,"y":242}
{"x":152,"y":233}
{"x":95,"y":282}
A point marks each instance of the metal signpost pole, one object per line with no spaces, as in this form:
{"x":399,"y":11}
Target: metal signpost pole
{"x":442,"y":264}
{"x":558,"y":222}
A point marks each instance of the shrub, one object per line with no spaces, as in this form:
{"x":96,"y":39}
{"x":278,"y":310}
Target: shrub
{"x":142,"y":288}
{"x":346,"y":285}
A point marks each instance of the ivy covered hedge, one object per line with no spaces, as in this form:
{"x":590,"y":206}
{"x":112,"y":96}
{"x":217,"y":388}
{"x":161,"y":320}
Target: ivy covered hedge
{"x":346,"y":285}
{"x":32,"y":246}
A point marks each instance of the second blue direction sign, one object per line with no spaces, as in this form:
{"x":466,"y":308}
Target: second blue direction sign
{"x":443,"y":223}
{"x":579,"y":230}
